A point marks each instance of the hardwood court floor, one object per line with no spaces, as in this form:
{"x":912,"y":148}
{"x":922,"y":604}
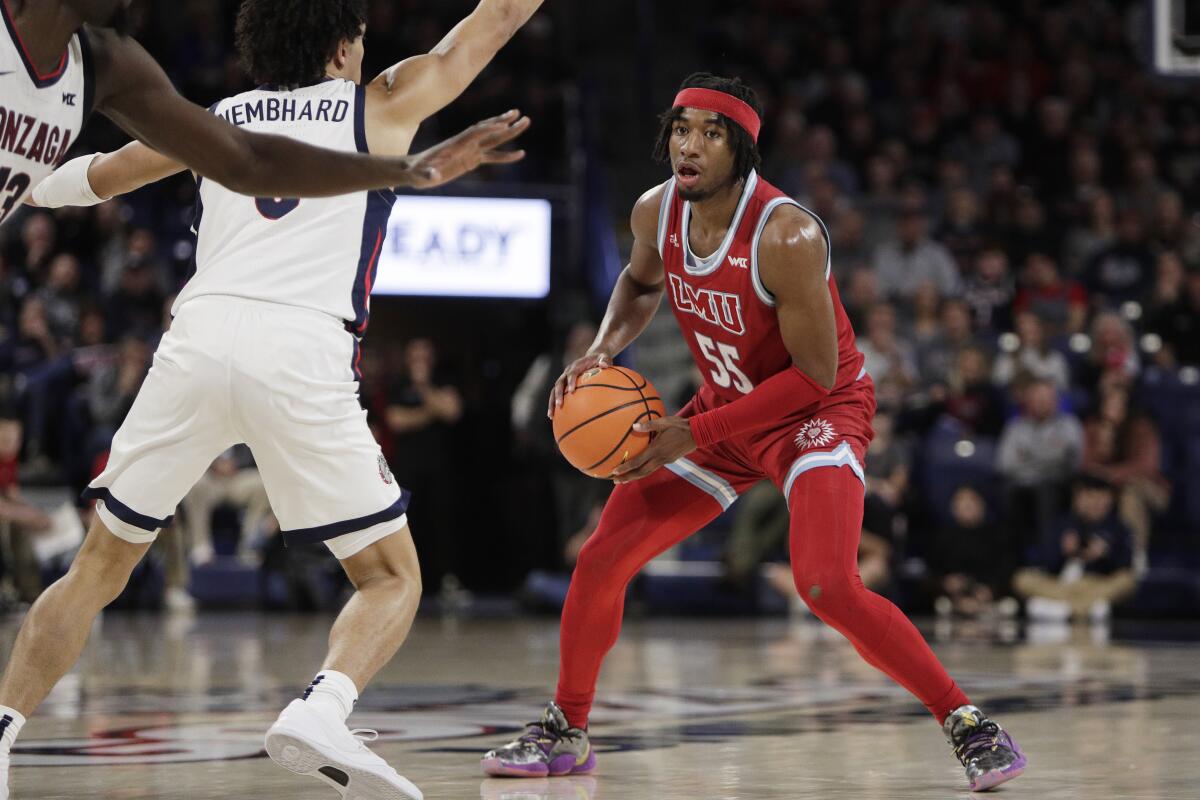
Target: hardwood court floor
{"x":165,"y":707}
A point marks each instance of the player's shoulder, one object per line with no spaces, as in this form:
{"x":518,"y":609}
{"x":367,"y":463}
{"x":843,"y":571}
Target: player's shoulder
{"x":791,"y":227}
{"x":646,"y":211}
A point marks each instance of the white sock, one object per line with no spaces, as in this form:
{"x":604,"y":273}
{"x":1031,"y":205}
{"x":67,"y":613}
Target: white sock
{"x":332,"y":692}
{"x":11,"y":722}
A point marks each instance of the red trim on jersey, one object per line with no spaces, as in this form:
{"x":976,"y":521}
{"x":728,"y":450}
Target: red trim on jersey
{"x":38,"y":78}
{"x":721,"y":103}
{"x":368,"y":280}
{"x":790,"y":389}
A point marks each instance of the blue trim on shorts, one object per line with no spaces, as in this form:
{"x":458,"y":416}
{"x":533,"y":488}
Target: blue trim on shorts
{"x":322,"y":532}
{"x":124,"y":512}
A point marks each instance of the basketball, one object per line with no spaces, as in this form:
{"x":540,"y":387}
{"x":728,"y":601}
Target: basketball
{"x":594,"y":427}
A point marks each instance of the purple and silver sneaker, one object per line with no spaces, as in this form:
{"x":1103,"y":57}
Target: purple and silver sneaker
{"x":989,"y":753}
{"x":549,"y":746}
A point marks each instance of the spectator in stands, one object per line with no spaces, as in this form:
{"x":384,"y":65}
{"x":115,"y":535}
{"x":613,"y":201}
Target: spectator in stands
{"x":1061,"y":304}
{"x":576,"y":496}
{"x":889,"y":465}
{"x":136,"y":307}
{"x":1173,"y":310}
{"x":1032,"y":355}
{"x":1029,"y":233}
{"x":912,"y":258}
{"x":938,"y":355}
{"x":1124,"y":270}
{"x":1172,"y":230}
{"x":1085,"y":241}
{"x":1122,"y":447}
{"x":990,"y":290}
{"x":232,"y":481}
{"x":971,"y":560}
{"x":1087,"y":568}
{"x":112,"y":389}
{"x":20,"y":521}
{"x":1113,"y":354}
{"x":888,"y":356}
{"x":1038,"y":454}
{"x":922,"y":322}
{"x":962,"y":230}
{"x":424,"y":407}
{"x":971,"y":398}
{"x":61,"y":297}
{"x":849,"y":242}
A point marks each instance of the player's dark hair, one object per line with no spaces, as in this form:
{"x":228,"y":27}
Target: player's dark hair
{"x":289,"y":42}
{"x":745,"y":150}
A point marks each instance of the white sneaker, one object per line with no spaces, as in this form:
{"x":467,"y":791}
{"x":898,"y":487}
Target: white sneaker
{"x":1043,"y":609}
{"x":178,"y":600}
{"x":303,"y":741}
{"x":4,"y":777}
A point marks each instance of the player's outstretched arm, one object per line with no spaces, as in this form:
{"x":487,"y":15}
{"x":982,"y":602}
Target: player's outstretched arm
{"x":634,"y":300}
{"x":91,"y":179}
{"x":94,"y":178}
{"x":407,"y":93}
{"x":133,"y":91}
{"x":792,"y":258}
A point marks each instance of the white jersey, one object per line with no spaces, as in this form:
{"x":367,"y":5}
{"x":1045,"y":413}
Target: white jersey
{"x":40,"y":114}
{"x":313,"y":253}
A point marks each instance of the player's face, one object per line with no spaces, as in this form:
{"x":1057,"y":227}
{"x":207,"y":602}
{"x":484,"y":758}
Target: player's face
{"x":105,"y":13}
{"x":701,"y":155}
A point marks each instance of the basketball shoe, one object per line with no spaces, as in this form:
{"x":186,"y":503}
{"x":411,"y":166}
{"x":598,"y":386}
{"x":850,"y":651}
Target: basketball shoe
{"x":990,"y":755}
{"x":549,"y":746}
{"x":304,"y":741}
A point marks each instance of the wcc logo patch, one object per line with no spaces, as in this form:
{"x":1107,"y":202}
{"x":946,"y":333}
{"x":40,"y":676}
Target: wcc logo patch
{"x":815,"y":433}
{"x":385,"y":472}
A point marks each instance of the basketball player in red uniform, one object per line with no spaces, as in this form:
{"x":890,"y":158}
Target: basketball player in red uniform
{"x":747,"y":271}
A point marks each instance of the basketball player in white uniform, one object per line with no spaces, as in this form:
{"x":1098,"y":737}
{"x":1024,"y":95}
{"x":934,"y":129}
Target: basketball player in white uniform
{"x":263,"y":349}
{"x":62,"y":59}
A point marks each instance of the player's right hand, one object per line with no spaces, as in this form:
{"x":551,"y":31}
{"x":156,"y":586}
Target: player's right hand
{"x":566,"y":382}
{"x":478,"y":144}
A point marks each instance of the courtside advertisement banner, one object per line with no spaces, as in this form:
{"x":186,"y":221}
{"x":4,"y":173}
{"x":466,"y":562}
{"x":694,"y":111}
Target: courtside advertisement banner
{"x":466,"y":247}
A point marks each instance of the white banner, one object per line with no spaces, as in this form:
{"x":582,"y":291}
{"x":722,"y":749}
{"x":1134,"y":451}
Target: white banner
{"x":466,"y":247}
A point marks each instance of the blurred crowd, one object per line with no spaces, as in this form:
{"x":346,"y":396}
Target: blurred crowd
{"x":1010,"y":191}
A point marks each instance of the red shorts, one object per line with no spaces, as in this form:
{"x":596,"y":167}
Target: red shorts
{"x":835,"y":434}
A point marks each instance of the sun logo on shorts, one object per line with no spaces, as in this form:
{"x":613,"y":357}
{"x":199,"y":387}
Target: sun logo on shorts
{"x":815,"y":433}
{"x":385,"y":473}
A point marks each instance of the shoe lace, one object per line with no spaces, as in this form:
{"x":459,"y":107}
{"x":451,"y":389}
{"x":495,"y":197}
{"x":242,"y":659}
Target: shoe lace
{"x":364,"y":735}
{"x":985,"y":737}
{"x":535,"y":735}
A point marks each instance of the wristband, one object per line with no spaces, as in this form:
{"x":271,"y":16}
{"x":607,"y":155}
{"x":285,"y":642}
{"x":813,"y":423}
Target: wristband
{"x":68,"y":186}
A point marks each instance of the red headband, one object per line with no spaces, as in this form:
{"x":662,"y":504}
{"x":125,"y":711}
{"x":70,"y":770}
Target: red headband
{"x":722,"y":103}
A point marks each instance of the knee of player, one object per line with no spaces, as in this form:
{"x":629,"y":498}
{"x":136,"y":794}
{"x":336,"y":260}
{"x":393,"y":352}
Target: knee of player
{"x":598,"y":561}
{"x":827,"y":592}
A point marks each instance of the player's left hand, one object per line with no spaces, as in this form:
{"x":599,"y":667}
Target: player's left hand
{"x":478,"y":144}
{"x":672,"y":441}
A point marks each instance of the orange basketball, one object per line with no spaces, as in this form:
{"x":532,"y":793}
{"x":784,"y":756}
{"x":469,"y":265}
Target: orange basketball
{"x":594,"y":427}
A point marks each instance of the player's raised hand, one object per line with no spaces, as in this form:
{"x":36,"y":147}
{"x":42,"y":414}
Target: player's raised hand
{"x":478,"y":144}
{"x":566,"y":381}
{"x":672,"y":441}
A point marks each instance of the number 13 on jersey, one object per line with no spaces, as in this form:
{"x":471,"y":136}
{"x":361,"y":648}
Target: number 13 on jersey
{"x":725,"y":359}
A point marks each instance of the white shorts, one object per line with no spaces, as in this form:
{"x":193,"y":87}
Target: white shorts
{"x":281,"y":380}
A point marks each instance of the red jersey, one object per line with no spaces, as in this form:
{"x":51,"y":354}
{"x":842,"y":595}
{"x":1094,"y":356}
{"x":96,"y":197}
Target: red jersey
{"x":725,"y":312}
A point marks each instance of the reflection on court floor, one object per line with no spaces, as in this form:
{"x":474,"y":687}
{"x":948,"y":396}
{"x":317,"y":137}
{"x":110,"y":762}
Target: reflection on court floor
{"x":176,"y":707}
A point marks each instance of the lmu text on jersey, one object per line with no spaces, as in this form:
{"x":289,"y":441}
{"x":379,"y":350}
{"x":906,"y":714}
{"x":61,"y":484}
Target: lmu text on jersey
{"x":723,"y":309}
